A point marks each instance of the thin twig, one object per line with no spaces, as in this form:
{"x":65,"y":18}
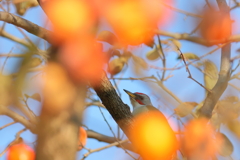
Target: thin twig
{"x":102,"y":148}
{"x":237,"y":4}
{"x":234,"y":58}
{"x":27,"y":38}
{"x":199,"y":40}
{"x":17,"y":118}
{"x":13,"y":38}
{"x":17,"y":140}
{"x":4,"y":63}
{"x":169,"y":75}
{"x":192,"y":61}
{"x":233,"y":70}
{"x":237,"y":88}
{"x":25,"y":101}
{"x":196,"y":28}
{"x":6,"y":125}
{"x":12,"y":55}
{"x":235,"y":76}
{"x":208,"y":4}
{"x":114,"y":134}
{"x":158,"y":83}
{"x":163,"y":56}
{"x":20,"y":132}
{"x":103,"y":138}
{"x":181,"y":11}
{"x":189,"y":73}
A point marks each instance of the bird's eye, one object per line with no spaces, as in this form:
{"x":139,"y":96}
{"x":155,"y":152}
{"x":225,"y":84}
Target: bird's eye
{"x":141,"y":97}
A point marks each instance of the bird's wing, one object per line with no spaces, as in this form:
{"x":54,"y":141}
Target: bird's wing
{"x":143,"y":109}
{"x":140,"y":110}
{"x":151,"y":108}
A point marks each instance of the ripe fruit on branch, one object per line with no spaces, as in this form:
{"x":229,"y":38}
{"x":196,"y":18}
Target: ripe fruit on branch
{"x":82,"y":138}
{"x":20,"y":151}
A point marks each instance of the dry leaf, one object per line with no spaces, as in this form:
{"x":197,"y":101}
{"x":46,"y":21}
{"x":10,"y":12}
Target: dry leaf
{"x":234,"y":126}
{"x":34,"y":62}
{"x":140,"y":62}
{"x":189,"y":56}
{"x":36,"y":96}
{"x":23,"y":5}
{"x":227,"y":110}
{"x":211,"y":74}
{"x":116,"y":52}
{"x":176,"y":43}
{"x":116,"y":65}
{"x":107,"y":36}
{"x":231,"y":98}
{"x":185,"y":108}
{"x":154,"y":54}
{"x":226,"y":147}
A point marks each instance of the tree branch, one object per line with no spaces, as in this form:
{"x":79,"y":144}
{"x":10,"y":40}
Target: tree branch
{"x":102,"y":148}
{"x":113,"y":103}
{"x":13,"y":38}
{"x":17,"y":118}
{"x":107,"y":139}
{"x":58,"y":132}
{"x":187,"y":37}
{"x":27,"y":25}
{"x":224,"y":74}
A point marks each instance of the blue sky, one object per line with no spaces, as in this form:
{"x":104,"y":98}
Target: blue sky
{"x":179,"y":84}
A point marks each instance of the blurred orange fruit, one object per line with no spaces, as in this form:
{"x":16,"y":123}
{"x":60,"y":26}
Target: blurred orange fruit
{"x":153,"y":137}
{"x":83,"y":59}
{"x":20,"y":151}
{"x":69,"y":17}
{"x":58,"y":90}
{"x":216,"y":25}
{"x":82,"y":138}
{"x":134,"y":21}
{"x":199,"y":141}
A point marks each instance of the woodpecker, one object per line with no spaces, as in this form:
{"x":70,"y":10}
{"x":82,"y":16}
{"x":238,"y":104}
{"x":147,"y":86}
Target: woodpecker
{"x":141,"y":103}
{"x":152,"y":135}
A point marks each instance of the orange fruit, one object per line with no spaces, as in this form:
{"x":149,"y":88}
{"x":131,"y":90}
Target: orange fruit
{"x":216,"y":25}
{"x":82,"y":138}
{"x":134,"y":22}
{"x":20,"y":151}
{"x":153,"y":137}
{"x":199,"y":139}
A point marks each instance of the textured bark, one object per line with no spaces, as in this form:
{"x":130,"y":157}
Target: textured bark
{"x":58,"y":133}
{"x":57,"y":138}
{"x":113,"y":103}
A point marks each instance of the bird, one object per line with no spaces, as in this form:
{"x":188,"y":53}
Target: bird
{"x":141,"y":103}
{"x":152,"y":135}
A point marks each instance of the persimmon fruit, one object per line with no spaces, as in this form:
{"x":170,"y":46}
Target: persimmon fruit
{"x":20,"y":151}
{"x":82,"y":138}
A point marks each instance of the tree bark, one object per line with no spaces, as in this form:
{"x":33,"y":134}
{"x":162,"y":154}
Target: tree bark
{"x":119,"y":111}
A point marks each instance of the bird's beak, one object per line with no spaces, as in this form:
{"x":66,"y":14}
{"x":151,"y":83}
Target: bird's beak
{"x":132,"y":95}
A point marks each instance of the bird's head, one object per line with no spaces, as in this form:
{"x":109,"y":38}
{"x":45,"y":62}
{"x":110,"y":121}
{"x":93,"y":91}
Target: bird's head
{"x":138,"y":99}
